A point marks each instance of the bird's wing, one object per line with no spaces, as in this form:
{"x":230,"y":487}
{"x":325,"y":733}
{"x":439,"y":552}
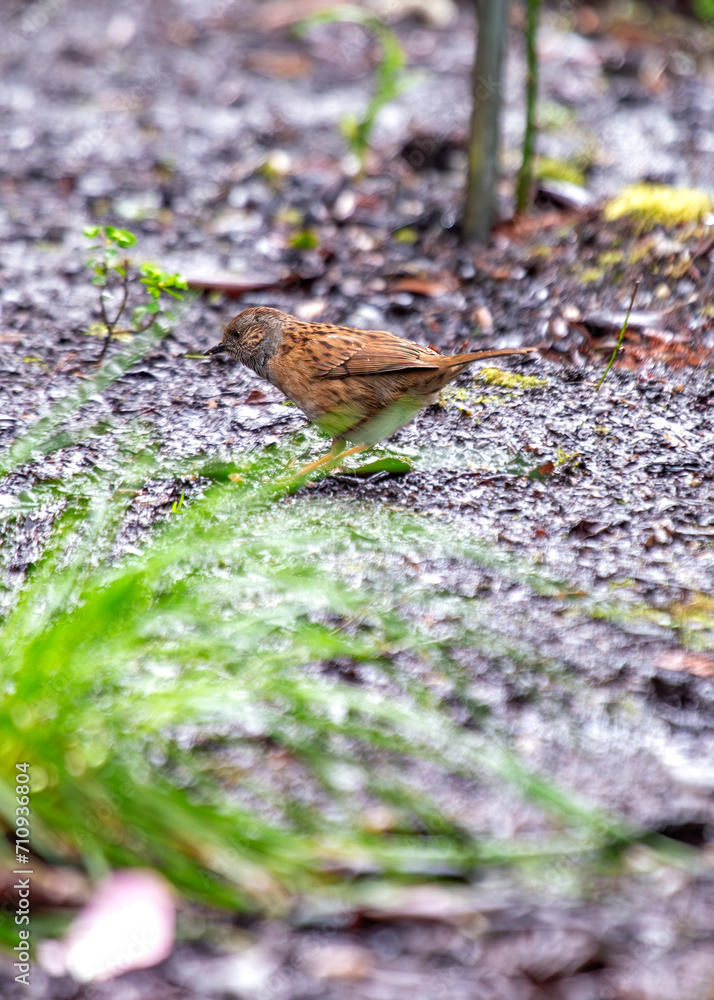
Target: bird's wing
{"x":370,"y":353}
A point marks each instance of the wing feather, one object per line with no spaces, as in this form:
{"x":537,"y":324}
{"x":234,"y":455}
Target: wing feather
{"x":373,"y":353}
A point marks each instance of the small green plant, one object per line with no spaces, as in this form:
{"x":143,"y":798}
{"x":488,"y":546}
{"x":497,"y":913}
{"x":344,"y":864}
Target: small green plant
{"x":390,"y":79}
{"x":113,"y":270}
{"x":623,"y":331}
{"x":704,"y":9}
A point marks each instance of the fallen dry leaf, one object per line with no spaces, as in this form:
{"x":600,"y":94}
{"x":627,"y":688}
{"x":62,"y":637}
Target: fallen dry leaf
{"x":277,"y":14}
{"x":524,"y":225}
{"x":256,"y":396}
{"x":682,"y":661}
{"x":423,"y":286}
{"x":232,"y":285}
{"x":287,"y":65}
{"x":432,"y":903}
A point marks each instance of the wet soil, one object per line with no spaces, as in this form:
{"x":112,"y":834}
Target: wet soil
{"x":203,"y":130}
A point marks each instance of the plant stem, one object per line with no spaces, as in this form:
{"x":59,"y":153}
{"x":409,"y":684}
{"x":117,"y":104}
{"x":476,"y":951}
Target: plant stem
{"x":110,"y":324}
{"x":525,"y":174}
{"x":621,"y":337}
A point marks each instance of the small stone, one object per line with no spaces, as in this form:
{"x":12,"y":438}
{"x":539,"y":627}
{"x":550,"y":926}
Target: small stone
{"x":310,"y":310}
{"x":120,"y":30}
{"x":339,"y":961}
{"x":345,"y":205}
{"x":483,"y":317}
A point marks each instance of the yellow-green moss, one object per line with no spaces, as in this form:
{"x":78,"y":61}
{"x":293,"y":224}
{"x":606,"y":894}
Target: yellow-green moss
{"x":564,"y":457}
{"x":642,"y":250}
{"x":289,"y":214}
{"x":466,"y":396}
{"x":551,"y":114}
{"x":406,"y":235}
{"x":697,"y":612}
{"x":651,"y":205}
{"x":496,"y":376}
{"x":544,"y":250}
{"x":547,"y":167}
{"x":610,"y":257}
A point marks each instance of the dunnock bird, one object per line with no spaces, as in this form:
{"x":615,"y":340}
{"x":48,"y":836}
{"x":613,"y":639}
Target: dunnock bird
{"x":359,"y":385}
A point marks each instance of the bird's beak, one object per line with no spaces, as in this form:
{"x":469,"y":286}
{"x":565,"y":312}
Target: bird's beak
{"x":218,"y":349}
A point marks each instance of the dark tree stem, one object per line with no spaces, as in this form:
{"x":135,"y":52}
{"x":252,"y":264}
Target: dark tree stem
{"x":525,"y":174}
{"x":484,"y":139}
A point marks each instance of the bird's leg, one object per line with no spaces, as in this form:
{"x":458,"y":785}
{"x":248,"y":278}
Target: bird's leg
{"x":335,"y":450}
{"x":332,"y":458}
{"x":351,"y":451}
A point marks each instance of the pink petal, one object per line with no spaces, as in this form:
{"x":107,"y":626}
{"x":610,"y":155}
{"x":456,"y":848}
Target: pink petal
{"x":129,"y":924}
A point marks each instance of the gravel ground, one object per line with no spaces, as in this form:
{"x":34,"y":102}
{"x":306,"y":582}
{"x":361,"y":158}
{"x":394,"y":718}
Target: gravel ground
{"x":161,"y":117}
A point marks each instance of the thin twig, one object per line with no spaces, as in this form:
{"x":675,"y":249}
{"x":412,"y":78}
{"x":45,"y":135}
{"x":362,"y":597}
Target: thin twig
{"x":618,"y":345}
{"x":105,"y":318}
{"x":60,"y":365}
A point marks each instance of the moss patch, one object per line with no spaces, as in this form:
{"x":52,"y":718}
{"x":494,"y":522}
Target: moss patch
{"x":546,"y":167}
{"x":591,"y":275}
{"x":651,"y":205}
{"x":610,"y":257}
{"x":496,"y":376}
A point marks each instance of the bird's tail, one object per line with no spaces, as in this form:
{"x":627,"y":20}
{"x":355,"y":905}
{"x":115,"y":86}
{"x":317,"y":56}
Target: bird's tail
{"x":465,"y":359}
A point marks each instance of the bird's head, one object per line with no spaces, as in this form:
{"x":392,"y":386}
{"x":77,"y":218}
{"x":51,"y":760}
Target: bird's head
{"x":253,"y":337}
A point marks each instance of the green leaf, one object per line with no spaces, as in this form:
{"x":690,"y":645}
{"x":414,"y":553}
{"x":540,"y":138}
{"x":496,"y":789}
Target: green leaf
{"x":305,"y":239}
{"x":389,"y":463}
{"x":122,"y":237}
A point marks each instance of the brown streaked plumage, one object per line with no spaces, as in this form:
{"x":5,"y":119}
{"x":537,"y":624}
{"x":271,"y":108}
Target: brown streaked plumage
{"x":360,"y":385}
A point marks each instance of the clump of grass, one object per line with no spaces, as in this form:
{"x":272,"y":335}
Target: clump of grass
{"x":650,"y":205}
{"x":215,"y":628}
